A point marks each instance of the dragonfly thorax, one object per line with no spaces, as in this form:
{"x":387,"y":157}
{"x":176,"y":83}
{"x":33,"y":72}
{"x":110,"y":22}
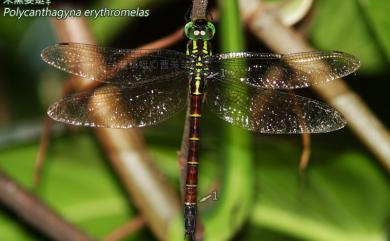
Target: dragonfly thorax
{"x":198,"y":52}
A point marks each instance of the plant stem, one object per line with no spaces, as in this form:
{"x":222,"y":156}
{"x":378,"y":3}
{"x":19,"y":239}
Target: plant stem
{"x":199,"y":8}
{"x":237,"y":187}
{"x":36,"y":213}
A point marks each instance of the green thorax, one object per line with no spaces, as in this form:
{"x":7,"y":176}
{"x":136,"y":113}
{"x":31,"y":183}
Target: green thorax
{"x":199,"y":32}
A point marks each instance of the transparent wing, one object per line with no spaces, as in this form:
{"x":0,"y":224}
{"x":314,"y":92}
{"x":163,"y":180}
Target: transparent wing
{"x":270,"y":111}
{"x":287,"y":71}
{"x":115,"y":66}
{"x":113,"y":107}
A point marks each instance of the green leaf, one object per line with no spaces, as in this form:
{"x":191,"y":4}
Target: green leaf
{"x":77,"y":184}
{"x":340,"y":25}
{"x":377,"y":16}
{"x":11,"y":28}
{"x":345,"y":197}
{"x":236,"y":193}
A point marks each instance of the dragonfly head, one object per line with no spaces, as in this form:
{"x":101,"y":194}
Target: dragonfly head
{"x":199,"y":29}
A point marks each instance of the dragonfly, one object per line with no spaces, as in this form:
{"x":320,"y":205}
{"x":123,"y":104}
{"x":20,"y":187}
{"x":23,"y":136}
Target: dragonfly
{"x":143,"y":87}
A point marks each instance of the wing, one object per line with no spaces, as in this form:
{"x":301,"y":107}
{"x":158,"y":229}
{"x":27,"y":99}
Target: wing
{"x":270,"y":111}
{"x":113,"y":107}
{"x":288,"y":71}
{"x":115,"y":66}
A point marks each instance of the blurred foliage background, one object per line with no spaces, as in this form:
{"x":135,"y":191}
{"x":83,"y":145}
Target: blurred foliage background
{"x":344,"y":194}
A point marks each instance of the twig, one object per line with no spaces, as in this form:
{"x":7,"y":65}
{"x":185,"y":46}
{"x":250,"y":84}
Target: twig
{"x":23,"y":132}
{"x":165,"y":41}
{"x":199,"y":8}
{"x":125,"y":230}
{"x":266,"y":26}
{"x":36,"y":213}
{"x":44,"y":143}
{"x":305,"y":155}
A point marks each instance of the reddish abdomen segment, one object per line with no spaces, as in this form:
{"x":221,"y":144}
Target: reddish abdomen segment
{"x":190,"y":198}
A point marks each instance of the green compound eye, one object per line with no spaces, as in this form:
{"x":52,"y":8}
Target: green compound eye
{"x":199,"y":30}
{"x":189,"y":30}
{"x":210,"y":31}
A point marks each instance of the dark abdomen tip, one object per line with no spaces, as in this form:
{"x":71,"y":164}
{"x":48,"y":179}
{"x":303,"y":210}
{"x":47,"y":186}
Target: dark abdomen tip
{"x":190,"y":221}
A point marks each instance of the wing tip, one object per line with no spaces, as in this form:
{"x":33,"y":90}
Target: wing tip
{"x":53,"y":112}
{"x":338,"y":122}
{"x":352,"y":60}
{"x":45,"y":53}
{"x":49,"y":50}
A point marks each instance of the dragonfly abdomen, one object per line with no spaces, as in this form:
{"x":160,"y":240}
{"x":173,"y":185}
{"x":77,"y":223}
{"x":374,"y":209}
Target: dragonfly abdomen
{"x":198,"y":52}
{"x":193,"y":149}
{"x":190,"y":200}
